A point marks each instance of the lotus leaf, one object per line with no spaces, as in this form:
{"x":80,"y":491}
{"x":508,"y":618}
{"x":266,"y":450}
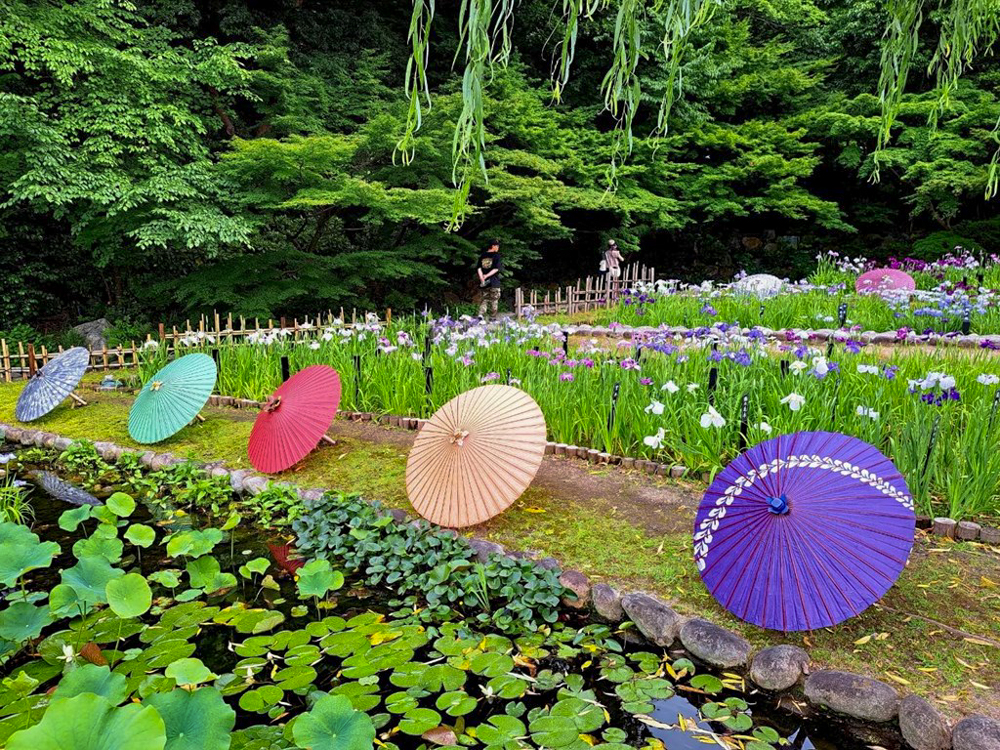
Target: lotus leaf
{"x":189,"y":672}
{"x":206,"y":573}
{"x":120,"y":504}
{"x":334,"y":724}
{"x":22,"y":621}
{"x":316,"y":579}
{"x":64,"y":601}
{"x":165,"y":652}
{"x":140,"y":534}
{"x":193,"y":542}
{"x":22,"y":552}
{"x":129,"y":596}
{"x":69,"y":520}
{"x":257,"y":566}
{"x":89,"y":579}
{"x":199,"y":720}
{"x":90,"y":722}
{"x":90,"y":678}
{"x":419,"y":720}
{"x":109,"y":548}
{"x":168,"y":578}
{"x":257,"y":620}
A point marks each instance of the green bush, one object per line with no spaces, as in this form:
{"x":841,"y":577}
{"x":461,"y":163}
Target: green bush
{"x":511,"y":595}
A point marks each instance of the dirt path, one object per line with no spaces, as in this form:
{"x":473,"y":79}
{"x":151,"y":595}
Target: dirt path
{"x":658,"y":506}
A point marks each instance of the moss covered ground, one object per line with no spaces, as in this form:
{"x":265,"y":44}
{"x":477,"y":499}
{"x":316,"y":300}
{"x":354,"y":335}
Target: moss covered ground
{"x":937,"y":632}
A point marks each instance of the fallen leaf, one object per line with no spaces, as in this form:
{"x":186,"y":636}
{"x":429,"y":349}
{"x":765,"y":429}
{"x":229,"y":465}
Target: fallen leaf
{"x":979,"y":642}
{"x":863,"y":640}
{"x":895,"y":678}
{"x":988,"y":583}
{"x":979,"y":685}
{"x":535,"y":510}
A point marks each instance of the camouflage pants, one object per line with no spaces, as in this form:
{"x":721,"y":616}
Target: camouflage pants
{"x":491,"y":298}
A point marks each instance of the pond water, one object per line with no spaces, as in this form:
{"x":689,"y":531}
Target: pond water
{"x":268,"y":648}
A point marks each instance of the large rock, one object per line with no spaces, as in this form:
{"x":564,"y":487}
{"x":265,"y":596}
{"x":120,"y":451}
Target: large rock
{"x":853,"y":695}
{"x":484,"y":548}
{"x":607,"y":602}
{"x":715,"y":645}
{"x":255,"y":484}
{"x":236,"y":479}
{"x":655,"y":619}
{"x":93,"y":333}
{"x":579,"y":584}
{"x":779,"y":667}
{"x":976,"y":732}
{"x":922,"y":725}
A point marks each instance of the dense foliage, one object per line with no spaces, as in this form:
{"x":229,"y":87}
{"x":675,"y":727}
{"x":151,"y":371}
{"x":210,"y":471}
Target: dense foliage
{"x":170,"y":157}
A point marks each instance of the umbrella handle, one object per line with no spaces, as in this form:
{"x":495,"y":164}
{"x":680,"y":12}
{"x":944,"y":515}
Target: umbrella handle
{"x":459,"y":437}
{"x":272,"y":404}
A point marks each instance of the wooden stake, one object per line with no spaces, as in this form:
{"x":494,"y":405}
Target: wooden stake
{"x":327,"y":440}
{"x":199,"y":417}
{"x":32,"y":364}
{"x":77,"y":401}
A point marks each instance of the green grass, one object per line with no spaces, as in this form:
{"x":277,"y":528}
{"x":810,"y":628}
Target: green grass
{"x":955,"y":584}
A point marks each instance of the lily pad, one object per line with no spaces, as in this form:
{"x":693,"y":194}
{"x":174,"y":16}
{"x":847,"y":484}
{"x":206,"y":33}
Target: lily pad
{"x":334,"y":724}
{"x":456,"y":703}
{"x":419,"y":720}
{"x":502,"y":733}
{"x":199,"y":720}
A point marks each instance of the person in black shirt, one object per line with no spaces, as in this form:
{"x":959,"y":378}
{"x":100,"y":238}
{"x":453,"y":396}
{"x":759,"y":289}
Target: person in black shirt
{"x":488,"y":269}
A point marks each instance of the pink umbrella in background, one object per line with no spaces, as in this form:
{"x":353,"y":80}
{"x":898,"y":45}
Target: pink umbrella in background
{"x":884,"y":280}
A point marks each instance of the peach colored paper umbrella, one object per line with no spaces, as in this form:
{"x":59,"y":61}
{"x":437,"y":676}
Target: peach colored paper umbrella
{"x":475,"y":456}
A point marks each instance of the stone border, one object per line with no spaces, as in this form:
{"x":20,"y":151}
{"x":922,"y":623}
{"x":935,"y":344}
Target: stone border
{"x":778,"y":669}
{"x":878,"y":338}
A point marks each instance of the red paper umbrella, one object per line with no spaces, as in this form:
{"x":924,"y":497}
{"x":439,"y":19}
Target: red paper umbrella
{"x":294,"y":419}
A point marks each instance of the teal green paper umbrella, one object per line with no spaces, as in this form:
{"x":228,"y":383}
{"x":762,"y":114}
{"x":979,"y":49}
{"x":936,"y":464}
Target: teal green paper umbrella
{"x":172,"y":398}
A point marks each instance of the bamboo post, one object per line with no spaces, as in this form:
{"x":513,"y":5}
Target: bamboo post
{"x":32,"y":364}
{"x":5,"y":353}
{"x":388,"y":316}
{"x":45,"y":356}
{"x":104,"y":359}
{"x":121,"y":358}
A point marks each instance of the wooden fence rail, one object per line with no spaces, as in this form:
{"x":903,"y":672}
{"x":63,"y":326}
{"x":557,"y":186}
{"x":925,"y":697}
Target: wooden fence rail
{"x":19,"y":360}
{"x":590,"y":293}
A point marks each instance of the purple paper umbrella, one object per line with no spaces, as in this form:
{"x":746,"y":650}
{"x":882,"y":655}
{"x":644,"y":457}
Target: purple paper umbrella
{"x":884,"y":280}
{"x":804,"y":531}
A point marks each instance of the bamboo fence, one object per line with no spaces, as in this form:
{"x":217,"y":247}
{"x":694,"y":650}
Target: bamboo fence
{"x":590,"y":293}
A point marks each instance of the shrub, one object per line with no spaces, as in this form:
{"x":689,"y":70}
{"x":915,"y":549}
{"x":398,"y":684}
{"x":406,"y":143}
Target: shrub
{"x":511,"y":595}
